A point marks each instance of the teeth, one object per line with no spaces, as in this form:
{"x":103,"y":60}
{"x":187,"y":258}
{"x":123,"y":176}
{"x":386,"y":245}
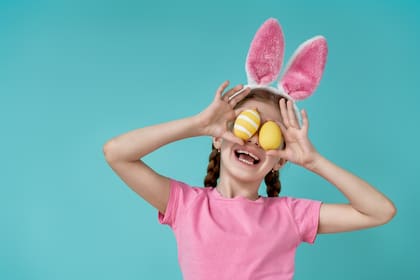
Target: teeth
{"x":248,"y":153}
{"x":245,"y":161}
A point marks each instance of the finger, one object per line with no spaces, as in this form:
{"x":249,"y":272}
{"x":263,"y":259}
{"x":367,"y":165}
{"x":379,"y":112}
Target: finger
{"x":283,"y":129}
{"x":283,"y":112}
{"x":229,"y":136}
{"x":232,"y":91}
{"x":305,"y":121}
{"x":235,"y":98}
{"x":291,"y":113}
{"x":230,"y":124}
{"x":221,"y":89}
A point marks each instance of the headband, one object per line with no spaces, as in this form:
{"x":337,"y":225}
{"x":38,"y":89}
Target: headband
{"x":301,"y":75}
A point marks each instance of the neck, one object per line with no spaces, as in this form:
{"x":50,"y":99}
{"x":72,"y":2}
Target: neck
{"x":231,"y":188}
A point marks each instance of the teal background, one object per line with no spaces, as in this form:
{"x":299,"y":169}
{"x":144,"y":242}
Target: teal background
{"x":74,"y":74}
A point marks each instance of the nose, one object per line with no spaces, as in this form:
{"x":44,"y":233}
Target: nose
{"x":253,"y":139}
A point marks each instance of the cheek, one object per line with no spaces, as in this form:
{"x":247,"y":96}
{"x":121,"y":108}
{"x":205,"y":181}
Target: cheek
{"x":226,"y":149}
{"x":271,"y":161}
{"x":226,"y":145}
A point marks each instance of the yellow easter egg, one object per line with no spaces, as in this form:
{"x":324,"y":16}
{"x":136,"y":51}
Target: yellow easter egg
{"x":270,"y":137}
{"x":246,"y":124}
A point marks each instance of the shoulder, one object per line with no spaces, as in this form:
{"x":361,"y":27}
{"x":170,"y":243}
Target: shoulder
{"x":177,"y":185}
{"x":181,"y":197}
{"x":281,"y":201}
{"x":300,"y":204}
{"x":185,"y":193}
{"x":305,"y":213}
{"x":298,"y":208}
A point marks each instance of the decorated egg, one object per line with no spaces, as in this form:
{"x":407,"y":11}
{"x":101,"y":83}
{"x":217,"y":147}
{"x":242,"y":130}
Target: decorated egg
{"x":270,"y":137}
{"x":246,"y":124}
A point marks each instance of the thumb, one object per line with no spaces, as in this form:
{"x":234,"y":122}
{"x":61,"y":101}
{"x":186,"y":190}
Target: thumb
{"x":229,"y":136}
{"x":276,"y":153}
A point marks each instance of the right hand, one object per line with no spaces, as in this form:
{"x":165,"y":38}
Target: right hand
{"x":217,"y":116}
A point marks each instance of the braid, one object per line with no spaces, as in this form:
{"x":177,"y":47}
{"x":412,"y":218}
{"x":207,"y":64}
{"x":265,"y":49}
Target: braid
{"x":272,"y":181}
{"x":213,"y":169}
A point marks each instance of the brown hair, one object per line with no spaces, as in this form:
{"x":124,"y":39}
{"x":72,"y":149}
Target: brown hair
{"x":213,"y":169}
{"x":272,"y":180}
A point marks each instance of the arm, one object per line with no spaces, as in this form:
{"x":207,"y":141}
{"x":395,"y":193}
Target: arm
{"x":123,"y":152}
{"x":367,"y":207}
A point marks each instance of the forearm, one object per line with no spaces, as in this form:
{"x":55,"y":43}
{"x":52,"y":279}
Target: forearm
{"x":361,"y":195}
{"x":137,"y":143}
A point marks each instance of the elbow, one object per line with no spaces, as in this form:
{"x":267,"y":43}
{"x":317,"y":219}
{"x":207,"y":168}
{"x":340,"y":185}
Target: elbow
{"x":388,"y":212}
{"x":392,"y":211}
{"x":108,"y":151}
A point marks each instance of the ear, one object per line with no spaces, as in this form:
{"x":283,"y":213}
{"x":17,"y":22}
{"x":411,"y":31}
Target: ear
{"x":217,"y":142}
{"x":280,"y":164}
{"x":265,"y":55}
{"x":304,"y":71}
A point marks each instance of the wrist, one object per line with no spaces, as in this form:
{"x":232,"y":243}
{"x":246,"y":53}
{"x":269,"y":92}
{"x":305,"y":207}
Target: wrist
{"x":199,"y":125}
{"x":314,"y":164}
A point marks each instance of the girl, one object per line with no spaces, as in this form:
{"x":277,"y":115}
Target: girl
{"x":226,"y":230}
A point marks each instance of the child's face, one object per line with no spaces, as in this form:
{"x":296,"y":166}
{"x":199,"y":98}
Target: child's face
{"x":249,"y":162}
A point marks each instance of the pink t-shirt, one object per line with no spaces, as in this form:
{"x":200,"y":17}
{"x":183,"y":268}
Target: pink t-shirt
{"x":237,"y":238}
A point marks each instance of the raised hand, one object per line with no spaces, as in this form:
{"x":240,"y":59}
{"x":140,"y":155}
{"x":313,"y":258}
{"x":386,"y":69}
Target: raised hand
{"x":216,"y":117}
{"x":299,"y":149}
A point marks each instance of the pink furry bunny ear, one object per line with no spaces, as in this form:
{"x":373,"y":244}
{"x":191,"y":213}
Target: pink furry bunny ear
{"x":304,"y":71}
{"x":265,"y":55}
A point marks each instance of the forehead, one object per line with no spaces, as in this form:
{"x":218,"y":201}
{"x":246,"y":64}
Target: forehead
{"x":268,"y":110}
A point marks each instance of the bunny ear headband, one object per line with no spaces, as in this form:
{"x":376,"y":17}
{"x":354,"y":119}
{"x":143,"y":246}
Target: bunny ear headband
{"x":303,"y":72}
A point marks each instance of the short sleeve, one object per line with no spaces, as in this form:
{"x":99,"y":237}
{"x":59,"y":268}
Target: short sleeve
{"x":305,"y":212}
{"x":181,"y":196}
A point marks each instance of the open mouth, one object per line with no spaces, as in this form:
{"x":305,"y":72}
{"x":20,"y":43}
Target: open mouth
{"x":247,"y":157}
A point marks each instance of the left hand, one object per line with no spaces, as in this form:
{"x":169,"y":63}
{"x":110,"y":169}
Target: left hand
{"x":299,"y":149}
{"x":215,"y":119}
